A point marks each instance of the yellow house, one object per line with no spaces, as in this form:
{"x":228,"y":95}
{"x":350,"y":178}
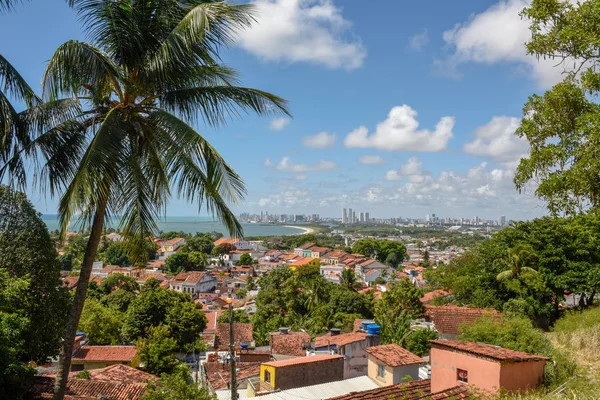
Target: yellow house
{"x":93,"y":357}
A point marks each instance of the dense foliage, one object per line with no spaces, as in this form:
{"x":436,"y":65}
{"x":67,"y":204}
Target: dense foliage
{"x":177,"y":386}
{"x":566,"y":260}
{"x":303,"y":299}
{"x":386,"y":251}
{"x":33,"y":304}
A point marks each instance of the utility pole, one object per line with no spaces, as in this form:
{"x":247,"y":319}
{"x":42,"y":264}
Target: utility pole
{"x":234,"y":393}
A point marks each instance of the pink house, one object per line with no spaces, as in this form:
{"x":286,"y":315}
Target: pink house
{"x":484,"y":367}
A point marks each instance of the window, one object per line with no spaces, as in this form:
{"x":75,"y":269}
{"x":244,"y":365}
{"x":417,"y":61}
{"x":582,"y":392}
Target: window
{"x":267,"y":376}
{"x":462,"y":375}
{"x":380,"y":370}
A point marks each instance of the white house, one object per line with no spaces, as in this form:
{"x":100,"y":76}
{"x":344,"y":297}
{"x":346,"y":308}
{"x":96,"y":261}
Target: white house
{"x":193,"y":282}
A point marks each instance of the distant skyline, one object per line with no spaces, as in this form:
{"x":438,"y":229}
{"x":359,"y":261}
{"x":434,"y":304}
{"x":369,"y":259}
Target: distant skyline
{"x":398,"y":110}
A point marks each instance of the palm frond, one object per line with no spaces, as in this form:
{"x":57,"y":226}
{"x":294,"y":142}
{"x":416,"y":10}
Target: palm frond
{"x":218,"y":103}
{"x":97,"y":172}
{"x":76,"y":65}
{"x":199,"y":173}
{"x":504,"y":275}
{"x":13,"y":84}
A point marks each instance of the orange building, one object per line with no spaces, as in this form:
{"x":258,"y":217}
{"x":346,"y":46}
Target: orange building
{"x":484,"y":367}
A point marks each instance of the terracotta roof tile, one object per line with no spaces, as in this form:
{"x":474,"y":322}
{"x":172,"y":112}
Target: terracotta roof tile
{"x":118,"y":373}
{"x":302,"y":261}
{"x":394,"y":355}
{"x":448,"y":319}
{"x":172,"y":241}
{"x":339,"y":340}
{"x":415,"y":390}
{"x":242,"y":333}
{"x":303,"y":360}
{"x":106,"y":353}
{"x":192,"y":277}
{"x":290,"y":344}
{"x":218,"y":374}
{"x":486,"y":350}
{"x":427,"y":297}
{"x":226,"y":240}
{"x":41,"y":387}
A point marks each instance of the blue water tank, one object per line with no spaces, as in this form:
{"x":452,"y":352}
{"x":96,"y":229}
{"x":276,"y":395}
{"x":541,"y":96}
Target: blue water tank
{"x":373,"y":329}
{"x":244,"y":346}
{"x":365,"y":323}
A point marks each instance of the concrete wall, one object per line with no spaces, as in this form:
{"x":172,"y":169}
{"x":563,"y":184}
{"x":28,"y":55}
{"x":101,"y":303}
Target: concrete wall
{"x":392,"y":375}
{"x":483,"y":373}
{"x":522,"y":376}
{"x":314,"y":373}
{"x":356,"y":358}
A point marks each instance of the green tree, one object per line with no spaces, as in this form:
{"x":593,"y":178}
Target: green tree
{"x":176,"y":386}
{"x":222,"y":250}
{"x":246,"y":259}
{"x":366,"y":247}
{"x":519,"y":259}
{"x":348,"y":279}
{"x":418,"y":340}
{"x":177,"y":263}
{"x":186,"y":322}
{"x":197,"y":260}
{"x":130,"y":141}
{"x":101,"y":324}
{"x":561,"y":125}
{"x":399,"y":304}
{"x":202,"y":244}
{"x":250,"y":284}
{"x":157,"y":350}
{"x":242,"y":293}
{"x":119,"y":299}
{"x":240,"y":316}
{"x":392,"y":248}
{"x":119,"y":281}
{"x":116,"y":254}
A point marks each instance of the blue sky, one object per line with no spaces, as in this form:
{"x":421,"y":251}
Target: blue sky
{"x":400,"y":108}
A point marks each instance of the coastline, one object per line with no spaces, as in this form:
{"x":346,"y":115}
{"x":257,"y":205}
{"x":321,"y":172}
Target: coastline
{"x":305,"y":231}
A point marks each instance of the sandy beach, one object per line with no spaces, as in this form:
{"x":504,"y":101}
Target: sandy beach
{"x":304,"y":230}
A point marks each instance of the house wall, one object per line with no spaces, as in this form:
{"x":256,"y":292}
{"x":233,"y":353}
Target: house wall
{"x":522,"y":376}
{"x":271,"y":370}
{"x":356,"y":358}
{"x":483,"y":373}
{"x":392,"y":375}
{"x":314,"y":373}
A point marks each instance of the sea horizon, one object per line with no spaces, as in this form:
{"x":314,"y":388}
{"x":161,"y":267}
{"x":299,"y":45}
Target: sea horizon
{"x":197,"y":224}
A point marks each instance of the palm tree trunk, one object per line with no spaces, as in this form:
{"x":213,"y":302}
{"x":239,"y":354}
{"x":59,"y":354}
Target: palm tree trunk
{"x":66,"y":351}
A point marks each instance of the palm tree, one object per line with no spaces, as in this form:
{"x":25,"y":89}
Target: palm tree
{"x":519,"y":259}
{"x":150,"y":70}
{"x":348,"y":279}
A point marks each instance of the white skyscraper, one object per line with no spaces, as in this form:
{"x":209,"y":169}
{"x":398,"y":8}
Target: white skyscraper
{"x":354,"y":220}
{"x":350,"y":220}
{"x":344,"y":216}
{"x":367,"y":219}
{"x":361,"y":216}
{"x":502,"y":220}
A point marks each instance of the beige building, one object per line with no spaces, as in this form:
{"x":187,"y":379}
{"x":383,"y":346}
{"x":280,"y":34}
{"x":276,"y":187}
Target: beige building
{"x":389,"y":364}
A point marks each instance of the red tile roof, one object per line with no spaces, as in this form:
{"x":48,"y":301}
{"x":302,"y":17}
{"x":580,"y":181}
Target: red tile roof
{"x":394,"y":355}
{"x":192,"y":277}
{"x":487,"y":350}
{"x":171,"y":241}
{"x":415,"y":390}
{"x":118,"y":373}
{"x":218,"y":374}
{"x":448,"y":319}
{"x":226,"y":240}
{"x":211,"y":317}
{"x":41,"y":387}
{"x":290,"y":344}
{"x":242,"y":333}
{"x":303,"y":360}
{"x":339,"y":340}
{"x":307,"y":246}
{"x":302,"y":261}
{"x":318,"y":249}
{"x":106,"y":354}
{"x":427,"y":297}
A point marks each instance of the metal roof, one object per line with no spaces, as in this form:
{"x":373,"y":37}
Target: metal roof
{"x":324,"y":390}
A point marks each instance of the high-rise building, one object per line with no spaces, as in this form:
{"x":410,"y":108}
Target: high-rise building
{"x":350,"y":220}
{"x":354,"y":217}
{"x":367,"y":219}
{"x":361,"y":216}
{"x":502,"y":220}
{"x":344,"y":216}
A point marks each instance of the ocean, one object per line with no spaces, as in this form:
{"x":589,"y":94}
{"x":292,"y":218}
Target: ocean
{"x":198,"y":224}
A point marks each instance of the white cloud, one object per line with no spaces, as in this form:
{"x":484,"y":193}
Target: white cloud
{"x":497,"y":140}
{"x":412,"y":170}
{"x":279,"y":124}
{"x":321,"y":140}
{"x":311,"y":31}
{"x":400,"y":132}
{"x":286,"y":165}
{"x":371,"y":160}
{"x":419,"y":40}
{"x":498,"y":35}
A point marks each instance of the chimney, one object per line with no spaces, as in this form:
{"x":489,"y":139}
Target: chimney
{"x":284,"y":331}
{"x":334,"y":331}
